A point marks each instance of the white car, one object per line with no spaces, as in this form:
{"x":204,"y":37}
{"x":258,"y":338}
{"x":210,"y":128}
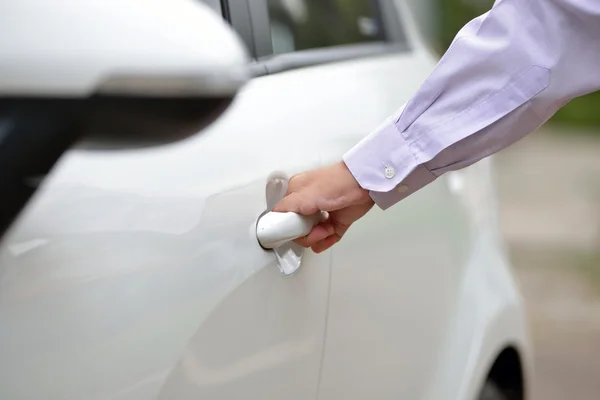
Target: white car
{"x":139,"y":275}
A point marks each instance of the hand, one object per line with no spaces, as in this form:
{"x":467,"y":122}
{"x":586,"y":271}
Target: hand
{"x":332,"y":189}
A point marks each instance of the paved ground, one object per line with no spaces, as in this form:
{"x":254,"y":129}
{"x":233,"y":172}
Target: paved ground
{"x":550,"y":208}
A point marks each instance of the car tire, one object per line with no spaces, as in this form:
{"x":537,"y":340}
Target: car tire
{"x":491,"y":391}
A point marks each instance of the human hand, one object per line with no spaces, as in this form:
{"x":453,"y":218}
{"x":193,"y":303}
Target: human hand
{"x":332,"y":189}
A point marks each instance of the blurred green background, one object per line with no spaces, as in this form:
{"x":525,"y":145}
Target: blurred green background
{"x":446,"y":17}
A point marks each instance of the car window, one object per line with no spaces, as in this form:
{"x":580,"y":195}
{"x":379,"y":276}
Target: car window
{"x":309,"y":24}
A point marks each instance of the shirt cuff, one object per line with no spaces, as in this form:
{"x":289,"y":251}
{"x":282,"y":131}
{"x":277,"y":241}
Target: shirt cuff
{"x":416,"y":180}
{"x":384,"y":164}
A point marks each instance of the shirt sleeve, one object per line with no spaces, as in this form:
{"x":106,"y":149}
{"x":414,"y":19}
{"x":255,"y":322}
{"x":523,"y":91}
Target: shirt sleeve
{"x":505,"y":74}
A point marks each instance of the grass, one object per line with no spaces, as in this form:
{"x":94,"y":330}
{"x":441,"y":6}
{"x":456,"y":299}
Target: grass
{"x":583,"y":112}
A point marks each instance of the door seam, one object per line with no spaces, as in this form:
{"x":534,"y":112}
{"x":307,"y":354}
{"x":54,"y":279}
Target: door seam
{"x":325,"y":330}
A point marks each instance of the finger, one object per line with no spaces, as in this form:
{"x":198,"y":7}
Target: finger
{"x":317,"y":234}
{"x":325,"y":244}
{"x":295,"y":202}
{"x":339,"y":228}
{"x":291,"y":202}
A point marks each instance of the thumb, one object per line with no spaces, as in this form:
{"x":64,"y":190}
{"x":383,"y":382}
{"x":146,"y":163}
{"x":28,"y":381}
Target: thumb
{"x":296,"y":202}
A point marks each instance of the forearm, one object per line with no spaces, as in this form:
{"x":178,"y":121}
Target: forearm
{"x":505,"y":74}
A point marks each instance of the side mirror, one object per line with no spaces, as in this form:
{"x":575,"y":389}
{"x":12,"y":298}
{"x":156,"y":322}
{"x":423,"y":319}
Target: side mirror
{"x":106,"y":74}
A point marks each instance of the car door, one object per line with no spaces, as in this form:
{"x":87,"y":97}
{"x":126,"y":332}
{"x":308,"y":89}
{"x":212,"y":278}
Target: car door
{"x":138,"y":275}
{"x":396,"y":274}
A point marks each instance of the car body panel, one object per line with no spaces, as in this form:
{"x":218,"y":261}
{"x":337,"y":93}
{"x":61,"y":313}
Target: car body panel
{"x":489,"y":314}
{"x":115,"y":253}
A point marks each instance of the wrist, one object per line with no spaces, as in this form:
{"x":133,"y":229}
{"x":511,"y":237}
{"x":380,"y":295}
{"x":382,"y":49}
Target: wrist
{"x":352,"y":183}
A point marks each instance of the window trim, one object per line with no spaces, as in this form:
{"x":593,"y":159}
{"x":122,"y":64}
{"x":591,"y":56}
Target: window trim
{"x":237,"y":13}
{"x":261,"y":47}
{"x":319,"y":56}
{"x":394,"y":23}
{"x":261,"y":29}
{"x":215,"y":5}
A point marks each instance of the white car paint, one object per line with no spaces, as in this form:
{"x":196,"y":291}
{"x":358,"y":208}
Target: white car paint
{"x":138,"y":274}
{"x":149,"y":47}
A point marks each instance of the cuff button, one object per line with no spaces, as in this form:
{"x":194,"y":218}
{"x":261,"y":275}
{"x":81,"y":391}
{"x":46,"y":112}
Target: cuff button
{"x":389,"y":172}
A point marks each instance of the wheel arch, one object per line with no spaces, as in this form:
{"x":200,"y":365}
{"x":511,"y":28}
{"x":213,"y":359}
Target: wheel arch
{"x":507,"y":373}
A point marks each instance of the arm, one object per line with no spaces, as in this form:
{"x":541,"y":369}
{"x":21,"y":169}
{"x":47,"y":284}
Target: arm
{"x":505,"y":74}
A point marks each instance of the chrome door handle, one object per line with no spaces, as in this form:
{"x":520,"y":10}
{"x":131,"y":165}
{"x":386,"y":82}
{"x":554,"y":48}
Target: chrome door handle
{"x":274,"y":229}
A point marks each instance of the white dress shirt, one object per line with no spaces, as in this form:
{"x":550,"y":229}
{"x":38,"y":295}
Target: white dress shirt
{"x":505,"y":74}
